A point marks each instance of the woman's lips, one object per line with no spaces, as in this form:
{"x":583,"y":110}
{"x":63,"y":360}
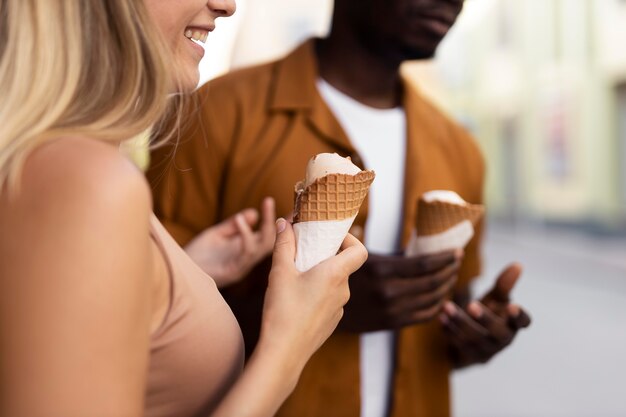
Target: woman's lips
{"x":198,"y":49}
{"x":197,"y":37}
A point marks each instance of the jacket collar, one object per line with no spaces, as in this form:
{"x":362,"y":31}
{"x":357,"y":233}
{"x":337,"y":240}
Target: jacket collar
{"x":294,"y":90}
{"x":294,"y":79}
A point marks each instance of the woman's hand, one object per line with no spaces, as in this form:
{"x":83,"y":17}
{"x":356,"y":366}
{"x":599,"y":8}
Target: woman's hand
{"x":228,"y":250}
{"x":302,"y":309}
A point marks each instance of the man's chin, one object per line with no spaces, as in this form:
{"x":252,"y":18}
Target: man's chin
{"x":412,"y":54}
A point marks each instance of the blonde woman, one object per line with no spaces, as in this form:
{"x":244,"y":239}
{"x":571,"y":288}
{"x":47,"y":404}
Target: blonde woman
{"x":101,"y":314}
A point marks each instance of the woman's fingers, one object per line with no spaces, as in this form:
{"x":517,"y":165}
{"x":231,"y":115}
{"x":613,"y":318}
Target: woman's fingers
{"x":284,"y":246}
{"x":246,"y":233}
{"x":353,"y":254}
{"x":268,"y":219}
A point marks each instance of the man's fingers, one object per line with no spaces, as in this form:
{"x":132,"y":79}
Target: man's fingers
{"x":401,"y":266}
{"x":420,"y":301}
{"x":501,"y":291}
{"x":496,"y":326}
{"x":456,"y":336}
{"x":420,"y":316}
{"x":401,"y":287}
{"x":518,"y":318}
{"x":472,"y":331}
{"x":478,"y":349}
{"x":429,"y":264}
{"x":285,"y":245}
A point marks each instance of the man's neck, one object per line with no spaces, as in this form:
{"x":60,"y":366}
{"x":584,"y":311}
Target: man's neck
{"x":357,"y":72}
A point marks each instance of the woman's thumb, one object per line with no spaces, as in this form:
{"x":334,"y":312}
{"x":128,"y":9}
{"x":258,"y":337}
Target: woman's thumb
{"x":285,"y":245}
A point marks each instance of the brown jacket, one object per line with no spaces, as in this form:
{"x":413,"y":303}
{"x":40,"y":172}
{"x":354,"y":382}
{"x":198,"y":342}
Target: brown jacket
{"x":252,"y":137}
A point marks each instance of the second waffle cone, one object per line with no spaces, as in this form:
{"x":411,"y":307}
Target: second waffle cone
{"x":438,"y":216}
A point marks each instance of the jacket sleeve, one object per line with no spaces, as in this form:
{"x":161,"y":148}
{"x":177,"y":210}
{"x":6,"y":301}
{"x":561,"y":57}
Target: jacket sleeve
{"x":186,"y":174}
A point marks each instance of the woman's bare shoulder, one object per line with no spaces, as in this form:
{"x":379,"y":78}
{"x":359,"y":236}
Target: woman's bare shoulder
{"x":90,"y":174}
{"x":83,"y":167}
{"x":76,"y":183}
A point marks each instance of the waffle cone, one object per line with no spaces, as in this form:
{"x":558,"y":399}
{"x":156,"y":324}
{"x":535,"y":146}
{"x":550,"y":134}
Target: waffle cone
{"x":438,"y":216}
{"x":332,"y":197}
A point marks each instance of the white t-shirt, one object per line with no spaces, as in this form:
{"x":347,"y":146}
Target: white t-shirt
{"x":379,"y":136}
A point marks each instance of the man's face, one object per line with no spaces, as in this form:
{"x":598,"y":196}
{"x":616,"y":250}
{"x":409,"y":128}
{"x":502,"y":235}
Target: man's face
{"x":409,"y":29}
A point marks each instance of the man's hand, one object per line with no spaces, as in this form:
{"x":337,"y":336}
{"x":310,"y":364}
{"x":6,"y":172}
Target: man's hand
{"x":485,"y":327}
{"x":228,"y":250}
{"x":390,"y":292}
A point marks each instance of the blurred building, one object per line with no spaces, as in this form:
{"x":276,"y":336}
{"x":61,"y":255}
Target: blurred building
{"x":542,"y":85}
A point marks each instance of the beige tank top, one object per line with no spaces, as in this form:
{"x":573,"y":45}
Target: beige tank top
{"x":197,"y":353}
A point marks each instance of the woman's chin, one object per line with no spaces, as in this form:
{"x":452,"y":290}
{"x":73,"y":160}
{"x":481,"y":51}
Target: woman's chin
{"x":186,"y":82}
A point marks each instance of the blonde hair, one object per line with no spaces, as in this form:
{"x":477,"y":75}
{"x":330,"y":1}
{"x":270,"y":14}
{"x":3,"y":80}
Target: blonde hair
{"x":76,"y":67}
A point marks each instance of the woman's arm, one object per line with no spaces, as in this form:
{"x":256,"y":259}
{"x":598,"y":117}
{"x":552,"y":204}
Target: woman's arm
{"x":74,"y":278}
{"x":301,"y":311}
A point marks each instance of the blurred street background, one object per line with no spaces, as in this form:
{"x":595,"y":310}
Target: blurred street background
{"x":542,"y":86}
{"x":570,"y":362}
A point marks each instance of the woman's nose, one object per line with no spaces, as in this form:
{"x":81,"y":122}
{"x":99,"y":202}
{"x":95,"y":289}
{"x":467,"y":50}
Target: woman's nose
{"x":222,"y":8}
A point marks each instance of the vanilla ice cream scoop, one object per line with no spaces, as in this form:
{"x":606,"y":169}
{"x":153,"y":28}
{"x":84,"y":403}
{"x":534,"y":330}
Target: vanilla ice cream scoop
{"x":328,"y":163}
{"x":444,"y":196}
{"x":444,"y":221}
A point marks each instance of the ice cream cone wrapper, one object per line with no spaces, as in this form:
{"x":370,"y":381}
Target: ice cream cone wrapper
{"x":324,"y":213}
{"x":443,"y":225}
{"x":318,"y":241}
{"x":456,"y":237}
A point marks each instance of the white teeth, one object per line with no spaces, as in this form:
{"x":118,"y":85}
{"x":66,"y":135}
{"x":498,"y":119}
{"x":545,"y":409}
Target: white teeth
{"x":196,"y":35}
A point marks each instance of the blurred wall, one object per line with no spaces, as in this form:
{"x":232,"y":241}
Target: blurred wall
{"x":539,"y":83}
{"x":262,"y":30}
{"x":271,"y":28}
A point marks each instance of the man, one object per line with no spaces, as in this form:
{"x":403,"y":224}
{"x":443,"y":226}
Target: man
{"x":251,"y":135}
